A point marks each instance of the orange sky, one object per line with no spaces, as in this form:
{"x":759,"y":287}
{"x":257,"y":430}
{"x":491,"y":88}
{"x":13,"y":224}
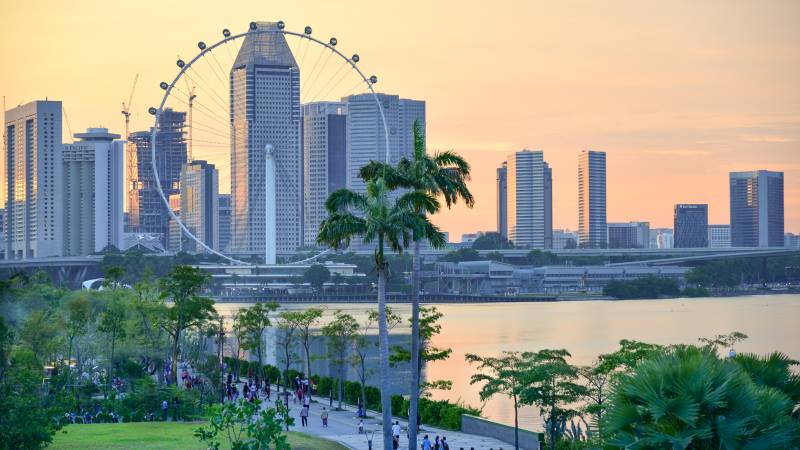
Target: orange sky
{"x":677,"y":93}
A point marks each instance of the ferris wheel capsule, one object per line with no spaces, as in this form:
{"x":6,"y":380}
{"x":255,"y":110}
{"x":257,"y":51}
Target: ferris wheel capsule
{"x":180,"y":63}
{"x":307,"y":30}
{"x":355,"y":58}
{"x":163,"y":85}
{"x":281,"y":25}
{"x":333,"y":42}
{"x":201,"y":45}
{"x":373,"y":79}
{"x":152,"y":110}
{"x":253,"y":25}
{"x":226,"y":32}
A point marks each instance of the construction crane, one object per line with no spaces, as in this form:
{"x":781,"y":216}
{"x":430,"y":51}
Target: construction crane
{"x":126,"y":111}
{"x":192,"y":96}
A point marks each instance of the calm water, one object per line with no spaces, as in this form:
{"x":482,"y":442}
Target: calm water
{"x":590,"y":328}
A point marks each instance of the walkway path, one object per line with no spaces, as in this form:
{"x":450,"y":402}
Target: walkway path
{"x":343,"y":428}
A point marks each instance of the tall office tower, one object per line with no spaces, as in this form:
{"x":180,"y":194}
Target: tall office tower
{"x":265,"y":110}
{"x":502,"y":200}
{"x":151,"y":215}
{"x":224,"y":214}
{"x":94,"y":182}
{"x":629,"y":235}
{"x":756,"y":209}
{"x":366,"y":139}
{"x":530,"y":200}
{"x":200,"y":204}
{"x":691,"y":225}
{"x":592,"y":228}
{"x":719,"y":236}
{"x":34,"y":183}
{"x":175,"y":239}
{"x":324,"y":161}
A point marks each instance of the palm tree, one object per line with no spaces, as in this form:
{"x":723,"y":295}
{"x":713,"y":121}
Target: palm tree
{"x":446,"y":174}
{"x":374,"y":218}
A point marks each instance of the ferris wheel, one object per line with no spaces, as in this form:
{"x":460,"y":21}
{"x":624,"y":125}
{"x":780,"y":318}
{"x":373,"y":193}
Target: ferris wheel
{"x":240,"y":105}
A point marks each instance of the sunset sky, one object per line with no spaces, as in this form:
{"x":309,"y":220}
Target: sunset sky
{"x":678,"y":93}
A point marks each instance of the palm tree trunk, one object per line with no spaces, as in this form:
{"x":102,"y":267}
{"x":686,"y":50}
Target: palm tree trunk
{"x":383,"y":331}
{"x":516,"y":424}
{"x":415,"y":351}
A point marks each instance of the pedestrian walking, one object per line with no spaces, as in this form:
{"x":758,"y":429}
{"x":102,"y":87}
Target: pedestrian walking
{"x":324,"y":416}
{"x":436,"y":444}
{"x":426,"y":443}
{"x":396,"y":430}
{"x":445,"y":445}
{"x":304,"y":416}
{"x":360,"y":427}
{"x":307,"y":401}
{"x":164,"y":408}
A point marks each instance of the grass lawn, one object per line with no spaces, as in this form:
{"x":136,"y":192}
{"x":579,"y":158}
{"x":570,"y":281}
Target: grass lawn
{"x":156,"y":435}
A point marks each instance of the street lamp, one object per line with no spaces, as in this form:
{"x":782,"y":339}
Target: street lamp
{"x":368,"y":434}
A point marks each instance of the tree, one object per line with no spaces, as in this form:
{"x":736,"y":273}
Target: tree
{"x":255,"y":320}
{"x":287,"y":324}
{"x":245,"y":426}
{"x":112,"y":323}
{"x":76,"y":320}
{"x":538,"y":258}
{"x":687,"y":397}
{"x":317,"y":275}
{"x":443,"y":174}
{"x":238,"y":334}
{"x":550,"y":384}
{"x":504,"y":375}
{"x":340,"y":333}
{"x":374,"y":218}
{"x":491,"y":240}
{"x":776,"y":371}
{"x":429,"y":327}
{"x":39,"y":333}
{"x":26,"y":421}
{"x":189,"y":309}
{"x":462,"y":254}
{"x":362,"y":344}
{"x":307,"y":320}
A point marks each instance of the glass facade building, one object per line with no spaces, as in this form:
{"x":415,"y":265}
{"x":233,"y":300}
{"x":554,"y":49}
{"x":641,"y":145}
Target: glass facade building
{"x":756,"y":209}
{"x":691,"y":225}
{"x":592,"y":228}
{"x":530,"y":200}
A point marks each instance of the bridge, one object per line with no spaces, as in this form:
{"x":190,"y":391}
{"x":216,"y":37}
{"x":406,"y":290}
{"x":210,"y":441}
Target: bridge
{"x":63,"y":270}
{"x":735,"y":253}
{"x":371,"y":298}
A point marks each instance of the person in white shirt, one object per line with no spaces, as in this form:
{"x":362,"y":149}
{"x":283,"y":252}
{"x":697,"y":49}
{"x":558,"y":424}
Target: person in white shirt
{"x":396,"y":430}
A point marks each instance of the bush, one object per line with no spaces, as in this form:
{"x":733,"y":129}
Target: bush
{"x":693,"y":292}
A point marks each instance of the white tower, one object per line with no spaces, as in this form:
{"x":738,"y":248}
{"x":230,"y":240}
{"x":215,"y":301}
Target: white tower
{"x":270,"y":209}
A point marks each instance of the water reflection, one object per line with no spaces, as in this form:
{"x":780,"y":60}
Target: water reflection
{"x":589,"y":328}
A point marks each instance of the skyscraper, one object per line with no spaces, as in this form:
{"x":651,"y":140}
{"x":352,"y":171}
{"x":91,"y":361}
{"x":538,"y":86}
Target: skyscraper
{"x":324,"y":161}
{"x":719,"y":236}
{"x":629,"y":235}
{"x":592,"y":228}
{"x":199,"y":204}
{"x":34,"y":183}
{"x":366,"y":139}
{"x":224,"y":208}
{"x":691,"y":225}
{"x":756,"y":209}
{"x":151,"y":216}
{"x":502,"y":200}
{"x":265,"y":110}
{"x":94,"y":185}
{"x":530,"y":200}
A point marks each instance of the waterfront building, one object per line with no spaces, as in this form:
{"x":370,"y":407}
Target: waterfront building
{"x":265,"y":110}
{"x":200,"y":204}
{"x":149,"y":214}
{"x":629,"y":235}
{"x":530,"y":200}
{"x":564,"y":239}
{"x":93,"y":190}
{"x":719,"y":236}
{"x":224,"y":215}
{"x":791,"y":240}
{"x":691,"y":225}
{"x":175,"y":238}
{"x":756,"y":209}
{"x":366,"y":139}
{"x":502,"y":200}
{"x":34,"y":181}
{"x":592,"y":228}
{"x":661,"y":238}
{"x":324,"y":161}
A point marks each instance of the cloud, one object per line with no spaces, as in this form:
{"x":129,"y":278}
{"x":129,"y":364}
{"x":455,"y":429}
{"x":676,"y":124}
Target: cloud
{"x":680,"y":152}
{"x":769,"y":139}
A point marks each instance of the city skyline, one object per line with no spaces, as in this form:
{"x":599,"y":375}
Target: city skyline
{"x":668,"y":126}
